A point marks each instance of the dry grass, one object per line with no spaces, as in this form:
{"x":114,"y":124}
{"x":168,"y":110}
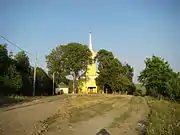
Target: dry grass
{"x":164,"y":118}
{"x":132,"y":106}
{"x":87,"y":112}
{"x":73,"y":110}
{"x":12,"y":100}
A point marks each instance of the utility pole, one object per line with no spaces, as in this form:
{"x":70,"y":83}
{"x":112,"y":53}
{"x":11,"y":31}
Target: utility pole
{"x":34,"y":81}
{"x":73,"y":83}
{"x":73,"y":87}
{"x":53,"y":82}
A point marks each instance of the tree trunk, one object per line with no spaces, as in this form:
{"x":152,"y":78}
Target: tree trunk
{"x":73,"y":84}
{"x":76,"y":83}
{"x":103,"y":90}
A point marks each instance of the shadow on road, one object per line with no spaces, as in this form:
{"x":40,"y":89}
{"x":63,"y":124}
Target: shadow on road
{"x":9,"y":101}
{"x":103,"y":132}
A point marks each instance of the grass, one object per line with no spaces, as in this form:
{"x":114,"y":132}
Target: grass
{"x":92,"y":109}
{"x":82,"y":114}
{"x":116,"y":122}
{"x":121,"y":119}
{"x":74,"y":110}
{"x":11,"y":100}
{"x":6,"y":101}
{"x":164,"y":117}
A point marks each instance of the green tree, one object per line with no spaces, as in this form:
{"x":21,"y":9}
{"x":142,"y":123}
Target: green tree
{"x":157,"y":77}
{"x":43,"y":82}
{"x":16,"y":75}
{"x":23,"y":61}
{"x":25,"y":70}
{"x":3,"y":60}
{"x":15,"y":80}
{"x":104,"y":58}
{"x":112,"y":74}
{"x":174,"y":86}
{"x":4,"y":63}
{"x":70,"y":58}
{"x":10,"y":78}
{"x":128,"y":71}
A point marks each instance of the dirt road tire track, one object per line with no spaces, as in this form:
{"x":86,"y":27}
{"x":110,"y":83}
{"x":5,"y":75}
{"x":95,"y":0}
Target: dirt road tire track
{"x":85,"y":115}
{"x":20,"y":119}
{"x":92,"y":125}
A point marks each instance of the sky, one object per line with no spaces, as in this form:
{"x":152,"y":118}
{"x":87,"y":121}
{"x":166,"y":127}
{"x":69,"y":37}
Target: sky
{"x":131,"y":29}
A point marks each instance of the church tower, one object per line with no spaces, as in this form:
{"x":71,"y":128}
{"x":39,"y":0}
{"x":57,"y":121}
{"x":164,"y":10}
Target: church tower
{"x":88,"y":84}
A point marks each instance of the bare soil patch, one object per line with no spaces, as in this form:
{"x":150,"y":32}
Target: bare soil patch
{"x":76,"y":115}
{"x":20,"y":119}
{"x":91,"y":119}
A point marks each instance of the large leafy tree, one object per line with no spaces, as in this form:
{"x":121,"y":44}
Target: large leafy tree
{"x":10,"y":78}
{"x":112,"y":74}
{"x":16,"y":75}
{"x":24,"y":68}
{"x":128,"y":71}
{"x":14,"y":79}
{"x":174,"y":86}
{"x":23,"y":61}
{"x":43,"y":82}
{"x":104,"y":58}
{"x":3,"y":59}
{"x":158,"y":78}
{"x":72,"y":58}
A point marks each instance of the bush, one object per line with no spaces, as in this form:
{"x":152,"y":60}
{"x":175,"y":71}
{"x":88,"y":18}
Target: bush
{"x":164,"y":118}
{"x":138,"y":92}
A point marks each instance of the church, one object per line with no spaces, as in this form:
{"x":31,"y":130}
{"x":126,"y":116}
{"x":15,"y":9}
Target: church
{"x":88,"y":83}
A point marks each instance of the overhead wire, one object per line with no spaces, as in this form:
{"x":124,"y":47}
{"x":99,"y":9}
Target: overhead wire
{"x":40,"y":65}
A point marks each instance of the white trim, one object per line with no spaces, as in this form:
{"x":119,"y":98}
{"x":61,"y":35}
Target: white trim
{"x":93,"y":76}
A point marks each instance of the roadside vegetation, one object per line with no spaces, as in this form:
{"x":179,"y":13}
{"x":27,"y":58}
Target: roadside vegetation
{"x":163,"y":84}
{"x":13,"y":99}
{"x":164,"y":118}
{"x":16,"y":75}
{"x":159,"y":79}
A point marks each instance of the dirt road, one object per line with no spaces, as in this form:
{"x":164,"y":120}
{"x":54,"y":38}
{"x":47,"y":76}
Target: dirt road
{"x":76,"y":115}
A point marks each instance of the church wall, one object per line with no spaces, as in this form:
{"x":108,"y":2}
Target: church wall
{"x":89,"y":84}
{"x":91,"y":70}
{"x":84,"y":84}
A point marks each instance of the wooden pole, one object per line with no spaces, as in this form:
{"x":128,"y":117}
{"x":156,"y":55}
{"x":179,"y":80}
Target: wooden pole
{"x":34,"y":81}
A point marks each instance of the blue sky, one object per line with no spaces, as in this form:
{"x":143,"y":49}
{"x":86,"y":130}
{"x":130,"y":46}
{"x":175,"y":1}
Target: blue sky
{"x":131,"y":29}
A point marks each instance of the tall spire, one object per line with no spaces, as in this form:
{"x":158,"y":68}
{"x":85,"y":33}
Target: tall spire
{"x":90,"y":41}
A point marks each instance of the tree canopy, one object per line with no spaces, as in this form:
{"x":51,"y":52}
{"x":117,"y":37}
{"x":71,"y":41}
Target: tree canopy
{"x":159,"y":78}
{"x":16,"y":75}
{"x":68,"y":59}
{"x":113,"y":75}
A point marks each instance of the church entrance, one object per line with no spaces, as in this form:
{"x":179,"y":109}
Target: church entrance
{"x":91,"y":90}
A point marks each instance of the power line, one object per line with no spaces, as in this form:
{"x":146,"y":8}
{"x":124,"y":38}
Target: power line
{"x":34,"y":78}
{"x":16,"y":45}
{"x":22,"y":50}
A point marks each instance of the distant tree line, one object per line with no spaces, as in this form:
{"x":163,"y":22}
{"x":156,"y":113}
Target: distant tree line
{"x":73,"y":59}
{"x":157,"y":78}
{"x":16,"y":75}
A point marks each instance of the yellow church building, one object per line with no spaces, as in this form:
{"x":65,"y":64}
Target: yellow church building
{"x":88,"y":83}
